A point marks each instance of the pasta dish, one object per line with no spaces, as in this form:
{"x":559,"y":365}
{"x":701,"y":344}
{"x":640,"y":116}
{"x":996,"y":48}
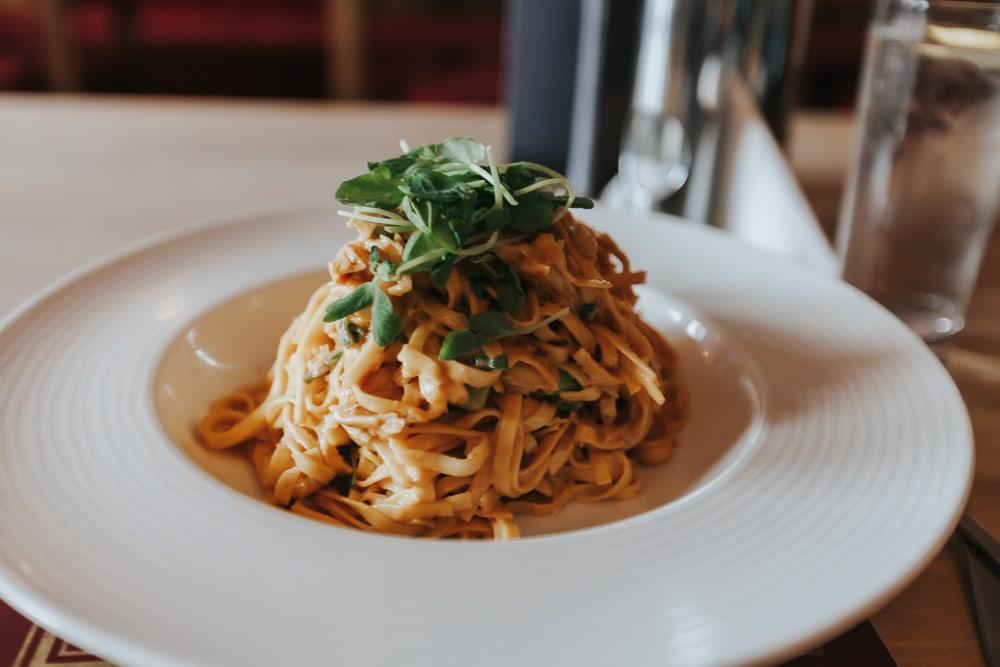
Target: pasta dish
{"x":475,"y":355}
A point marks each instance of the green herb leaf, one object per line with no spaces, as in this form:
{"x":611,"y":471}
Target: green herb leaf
{"x":385,"y":324}
{"x":351,"y":454}
{"x":327,"y":366}
{"x":444,"y":233}
{"x":486,"y":363}
{"x":492,"y":324}
{"x":477,"y":398}
{"x":567,"y":382}
{"x":441,"y":270}
{"x":426,"y":183}
{"x":382,"y":269}
{"x":586,"y":311}
{"x":350,"y":333}
{"x":360,"y":298}
{"x":460,"y":342}
{"x":510,"y":296}
{"x":417,"y":246}
{"x":497,"y":219}
{"x":342,"y":483}
{"x":462,"y":149}
{"x":533,"y":213}
{"x":517,"y":176}
{"x":578,"y":202}
{"x":376,"y":188}
{"x":396,"y":166}
{"x":547,"y":396}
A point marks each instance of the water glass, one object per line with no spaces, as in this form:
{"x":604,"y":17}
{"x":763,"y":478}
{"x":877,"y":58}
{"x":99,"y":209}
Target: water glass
{"x":923,"y":188}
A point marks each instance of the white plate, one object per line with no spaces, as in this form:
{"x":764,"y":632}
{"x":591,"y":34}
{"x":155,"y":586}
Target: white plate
{"x":827,"y":460}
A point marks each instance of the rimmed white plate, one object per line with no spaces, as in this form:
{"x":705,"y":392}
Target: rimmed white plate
{"x":827,"y":460}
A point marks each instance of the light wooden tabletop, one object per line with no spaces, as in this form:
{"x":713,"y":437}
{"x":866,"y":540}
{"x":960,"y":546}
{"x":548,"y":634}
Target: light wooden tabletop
{"x":80,"y":177}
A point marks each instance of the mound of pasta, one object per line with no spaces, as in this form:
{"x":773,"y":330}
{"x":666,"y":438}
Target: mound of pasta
{"x":475,"y":355}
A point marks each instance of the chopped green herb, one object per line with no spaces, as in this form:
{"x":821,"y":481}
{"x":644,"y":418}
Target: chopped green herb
{"x":350,"y":453}
{"x":510,"y":296}
{"x":477,"y":398}
{"x":547,"y":396}
{"x":385,"y":324}
{"x":342,"y":483}
{"x":459,"y":343}
{"x":327,"y":366}
{"x":360,"y":298}
{"x":350,"y":333}
{"x":491,"y":324}
{"x":487,"y":327}
{"x":382,"y":269}
{"x":567,"y":382}
{"x":484,"y":362}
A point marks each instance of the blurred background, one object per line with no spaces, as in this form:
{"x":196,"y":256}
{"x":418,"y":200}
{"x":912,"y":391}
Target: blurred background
{"x":435,"y":51}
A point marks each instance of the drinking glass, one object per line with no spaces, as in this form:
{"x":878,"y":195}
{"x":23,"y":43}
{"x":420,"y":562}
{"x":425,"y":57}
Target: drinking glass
{"x":922,"y":191}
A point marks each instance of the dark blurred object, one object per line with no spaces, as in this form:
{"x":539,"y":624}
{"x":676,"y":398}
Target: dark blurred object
{"x":770,"y":44}
{"x":569,"y":81}
{"x":833,"y":57}
{"x":542,"y":50}
{"x":22,"y":66}
{"x":609,"y":47}
{"x":982,"y":552}
{"x":415,"y":50}
{"x":224,"y":47}
{"x":434,"y":50}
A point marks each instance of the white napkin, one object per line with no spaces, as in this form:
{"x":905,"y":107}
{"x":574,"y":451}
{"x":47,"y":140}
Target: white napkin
{"x":759,"y":200}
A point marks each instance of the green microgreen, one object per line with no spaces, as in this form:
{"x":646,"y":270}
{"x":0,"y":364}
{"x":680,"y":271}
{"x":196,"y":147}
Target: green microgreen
{"x":500,"y":363}
{"x":385,"y":323}
{"x":324,"y":368}
{"x":454,"y":201}
{"x":488,"y":327}
{"x":510,"y":296}
{"x":477,"y":398}
{"x":350,"y":333}
{"x":343,"y":482}
{"x":567,"y":382}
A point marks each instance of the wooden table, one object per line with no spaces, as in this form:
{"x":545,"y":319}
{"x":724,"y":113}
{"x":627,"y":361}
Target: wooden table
{"x":79,"y":177}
